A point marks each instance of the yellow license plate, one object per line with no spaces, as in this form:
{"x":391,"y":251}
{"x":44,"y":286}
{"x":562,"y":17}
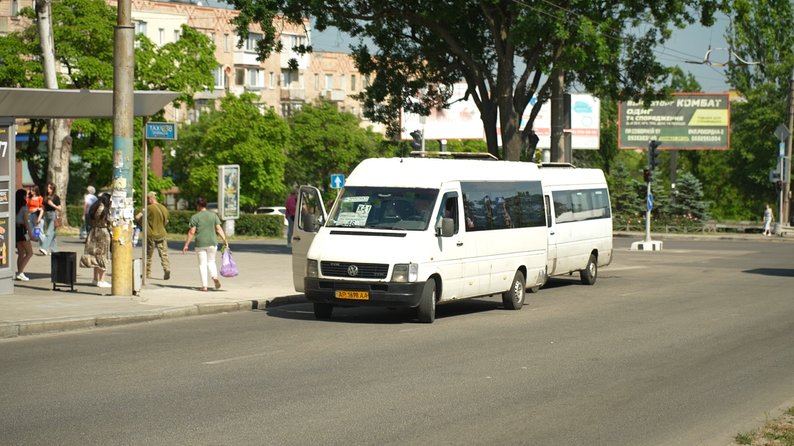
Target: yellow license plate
{"x":352,"y":295}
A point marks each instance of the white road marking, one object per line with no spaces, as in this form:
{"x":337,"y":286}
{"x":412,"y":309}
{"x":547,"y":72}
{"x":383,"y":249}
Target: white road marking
{"x":238,"y":358}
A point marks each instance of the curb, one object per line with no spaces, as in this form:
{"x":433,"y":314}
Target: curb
{"x":57,"y":325}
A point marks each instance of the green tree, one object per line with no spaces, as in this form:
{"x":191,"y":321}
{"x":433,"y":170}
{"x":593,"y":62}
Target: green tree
{"x":83,"y":35}
{"x":325,"y":141}
{"x":504,"y":50}
{"x":236,"y":133}
{"x":689,"y":199}
{"x":759,"y":36}
{"x":193,"y":53}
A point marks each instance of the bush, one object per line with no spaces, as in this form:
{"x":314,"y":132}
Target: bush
{"x":249,"y":225}
{"x":74,"y":215}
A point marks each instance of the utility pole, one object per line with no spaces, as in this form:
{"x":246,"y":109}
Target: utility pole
{"x":122,"y":209}
{"x":786,"y":177}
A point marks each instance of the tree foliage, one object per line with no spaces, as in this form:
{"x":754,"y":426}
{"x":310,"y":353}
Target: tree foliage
{"x":761,"y":32}
{"x":194,"y":55}
{"x":83,"y":33}
{"x":325,"y":141}
{"x":236,"y":133}
{"x":503,"y":50}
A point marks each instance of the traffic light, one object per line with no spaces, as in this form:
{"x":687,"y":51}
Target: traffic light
{"x":778,"y":185}
{"x":416,"y":144}
{"x":653,"y":154}
{"x":646,"y":174}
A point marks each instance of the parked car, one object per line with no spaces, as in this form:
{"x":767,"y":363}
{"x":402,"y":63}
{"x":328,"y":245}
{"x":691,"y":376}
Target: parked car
{"x":273,"y":210}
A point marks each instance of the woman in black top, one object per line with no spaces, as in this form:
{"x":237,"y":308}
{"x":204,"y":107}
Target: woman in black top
{"x":24,"y":249}
{"x":52,"y":206}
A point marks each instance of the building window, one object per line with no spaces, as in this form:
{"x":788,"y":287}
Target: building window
{"x":252,"y":41}
{"x":342,"y":81}
{"x":239,"y":76}
{"x":272,"y":80}
{"x":177,"y":35}
{"x":329,"y":81}
{"x":365,"y":82}
{"x":14,"y":8}
{"x":140,"y":27}
{"x":253,"y":77}
{"x":292,"y":41}
{"x":226,"y":42}
{"x":220,"y":78}
{"x":352,"y":82}
{"x":161,"y":36}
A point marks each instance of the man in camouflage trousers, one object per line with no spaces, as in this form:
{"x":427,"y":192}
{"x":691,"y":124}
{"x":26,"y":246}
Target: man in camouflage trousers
{"x":157,"y":219}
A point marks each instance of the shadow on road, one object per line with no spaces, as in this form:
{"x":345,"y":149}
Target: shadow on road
{"x":378,"y":315}
{"x":777,"y":272}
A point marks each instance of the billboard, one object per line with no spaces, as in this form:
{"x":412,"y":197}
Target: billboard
{"x":462,"y":121}
{"x":687,"y":121}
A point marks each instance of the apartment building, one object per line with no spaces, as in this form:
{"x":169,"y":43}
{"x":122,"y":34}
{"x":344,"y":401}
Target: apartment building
{"x":328,"y":75}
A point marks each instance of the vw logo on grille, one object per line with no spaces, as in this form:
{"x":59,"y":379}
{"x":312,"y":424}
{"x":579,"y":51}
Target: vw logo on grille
{"x":352,"y":270}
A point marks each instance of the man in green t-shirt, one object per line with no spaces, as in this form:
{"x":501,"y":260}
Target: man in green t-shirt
{"x":157,"y":219}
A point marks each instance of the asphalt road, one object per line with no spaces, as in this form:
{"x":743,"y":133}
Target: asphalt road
{"x":688,"y":346}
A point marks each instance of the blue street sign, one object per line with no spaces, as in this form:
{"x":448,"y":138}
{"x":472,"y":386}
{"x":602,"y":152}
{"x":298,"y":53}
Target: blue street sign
{"x":650,"y":202}
{"x":161,"y":130}
{"x":337,"y":180}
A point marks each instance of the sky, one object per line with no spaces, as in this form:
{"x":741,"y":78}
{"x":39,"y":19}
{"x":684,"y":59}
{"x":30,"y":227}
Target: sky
{"x":690,"y":43}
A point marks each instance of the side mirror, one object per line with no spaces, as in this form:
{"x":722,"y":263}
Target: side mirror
{"x":446,"y":227}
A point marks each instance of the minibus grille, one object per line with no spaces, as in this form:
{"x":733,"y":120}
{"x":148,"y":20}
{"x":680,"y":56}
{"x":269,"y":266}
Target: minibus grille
{"x":354,"y":270}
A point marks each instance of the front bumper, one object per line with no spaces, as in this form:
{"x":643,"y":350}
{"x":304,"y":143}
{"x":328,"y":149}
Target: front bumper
{"x":381,"y":294}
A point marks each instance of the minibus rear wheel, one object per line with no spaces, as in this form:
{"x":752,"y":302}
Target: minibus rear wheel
{"x":513,"y":298}
{"x":426,"y":311}
{"x":323,"y":311}
{"x":590,"y":272}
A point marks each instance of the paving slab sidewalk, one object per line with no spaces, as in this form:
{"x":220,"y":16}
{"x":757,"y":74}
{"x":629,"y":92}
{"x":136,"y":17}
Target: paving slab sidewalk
{"x":35,"y":307}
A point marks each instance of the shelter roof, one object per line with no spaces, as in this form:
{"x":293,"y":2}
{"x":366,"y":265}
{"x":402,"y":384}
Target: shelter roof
{"x":44,"y":103}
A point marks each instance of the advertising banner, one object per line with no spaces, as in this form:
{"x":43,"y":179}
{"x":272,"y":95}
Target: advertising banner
{"x":687,"y":121}
{"x":229,"y":192}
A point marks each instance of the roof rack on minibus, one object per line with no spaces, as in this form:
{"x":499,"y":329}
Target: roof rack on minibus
{"x":568,"y":165}
{"x":453,"y":155}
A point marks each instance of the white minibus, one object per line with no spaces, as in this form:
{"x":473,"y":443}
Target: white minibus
{"x":579,"y":220}
{"x":417,"y":232}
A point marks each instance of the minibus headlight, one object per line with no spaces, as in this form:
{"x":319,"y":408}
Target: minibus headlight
{"x":311,"y":268}
{"x":405,"y":272}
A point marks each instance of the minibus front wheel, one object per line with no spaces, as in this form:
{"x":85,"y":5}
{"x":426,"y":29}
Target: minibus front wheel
{"x":426,"y":311}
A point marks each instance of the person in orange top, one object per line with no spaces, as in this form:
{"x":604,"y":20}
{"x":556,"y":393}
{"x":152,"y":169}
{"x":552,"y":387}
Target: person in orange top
{"x":36,"y":210}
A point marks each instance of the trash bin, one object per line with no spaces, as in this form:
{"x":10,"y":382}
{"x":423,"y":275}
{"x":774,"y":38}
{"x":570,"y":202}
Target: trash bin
{"x":63,"y":269}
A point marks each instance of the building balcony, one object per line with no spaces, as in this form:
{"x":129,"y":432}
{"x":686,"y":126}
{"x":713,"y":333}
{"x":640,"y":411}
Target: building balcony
{"x":335,"y":95}
{"x":293,"y":94}
{"x":245,"y":58}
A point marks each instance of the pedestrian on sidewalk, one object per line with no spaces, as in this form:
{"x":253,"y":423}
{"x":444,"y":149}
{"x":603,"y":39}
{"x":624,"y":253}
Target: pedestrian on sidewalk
{"x":204,"y":225}
{"x":769,"y":217}
{"x":24,"y":248}
{"x":97,"y":243}
{"x":156,"y":221}
{"x":36,"y":211}
{"x":89,"y":198}
{"x":52,"y":206}
{"x":289,"y":205}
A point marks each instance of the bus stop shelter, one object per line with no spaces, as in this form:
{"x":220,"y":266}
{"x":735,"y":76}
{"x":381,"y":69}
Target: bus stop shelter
{"x":35,"y":103}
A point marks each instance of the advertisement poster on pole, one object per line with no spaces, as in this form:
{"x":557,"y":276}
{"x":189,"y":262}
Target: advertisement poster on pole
{"x":229,"y":191}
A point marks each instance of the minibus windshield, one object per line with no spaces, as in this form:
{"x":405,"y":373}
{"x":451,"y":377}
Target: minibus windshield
{"x":383,"y":208}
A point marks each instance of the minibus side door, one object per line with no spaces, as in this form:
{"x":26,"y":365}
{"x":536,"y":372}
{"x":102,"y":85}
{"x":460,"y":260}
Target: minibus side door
{"x":551,"y":261}
{"x":310,"y":215}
